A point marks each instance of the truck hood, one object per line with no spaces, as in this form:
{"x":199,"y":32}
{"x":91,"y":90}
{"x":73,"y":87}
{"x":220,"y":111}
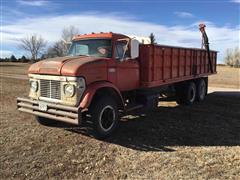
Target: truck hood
{"x":55,"y":66}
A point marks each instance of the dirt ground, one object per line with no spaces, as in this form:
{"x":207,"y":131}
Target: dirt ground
{"x":172,"y":142}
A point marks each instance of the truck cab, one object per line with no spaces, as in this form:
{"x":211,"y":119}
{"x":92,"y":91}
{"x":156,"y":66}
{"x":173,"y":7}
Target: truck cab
{"x":98,"y":65}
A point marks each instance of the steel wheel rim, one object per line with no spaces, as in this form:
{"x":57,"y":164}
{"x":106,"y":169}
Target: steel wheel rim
{"x":107,"y":118}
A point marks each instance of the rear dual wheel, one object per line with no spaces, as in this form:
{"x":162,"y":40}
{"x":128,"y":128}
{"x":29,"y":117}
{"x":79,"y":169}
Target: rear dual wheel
{"x":186,"y":93}
{"x":191,"y":91}
{"x":201,"y":90}
{"x":189,"y":95}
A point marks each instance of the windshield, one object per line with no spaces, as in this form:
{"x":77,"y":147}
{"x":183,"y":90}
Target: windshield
{"x":91,"y":47}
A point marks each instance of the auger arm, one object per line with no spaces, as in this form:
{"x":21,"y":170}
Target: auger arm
{"x":206,"y":44}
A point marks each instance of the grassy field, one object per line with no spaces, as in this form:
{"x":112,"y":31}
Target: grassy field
{"x":14,"y":68}
{"x":172,"y":142}
{"x":226,"y":77}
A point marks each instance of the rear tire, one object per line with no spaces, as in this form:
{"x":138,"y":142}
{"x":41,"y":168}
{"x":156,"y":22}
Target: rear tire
{"x":186,"y":94}
{"x":201,"y":90}
{"x":179,"y":94}
{"x":105,"y":117}
{"x":46,"y":122}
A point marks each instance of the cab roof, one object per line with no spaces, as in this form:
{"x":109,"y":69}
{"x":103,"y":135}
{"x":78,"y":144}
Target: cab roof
{"x":99,"y":35}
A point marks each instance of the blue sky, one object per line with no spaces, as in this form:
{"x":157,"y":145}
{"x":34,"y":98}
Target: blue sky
{"x":173,"y":22}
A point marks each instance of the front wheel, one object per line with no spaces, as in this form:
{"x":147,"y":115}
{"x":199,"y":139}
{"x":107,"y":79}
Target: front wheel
{"x":105,"y":117}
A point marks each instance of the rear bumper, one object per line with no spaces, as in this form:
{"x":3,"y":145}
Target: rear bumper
{"x":54,"y":111}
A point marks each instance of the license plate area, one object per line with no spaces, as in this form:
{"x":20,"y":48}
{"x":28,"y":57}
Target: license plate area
{"x":42,"y":106}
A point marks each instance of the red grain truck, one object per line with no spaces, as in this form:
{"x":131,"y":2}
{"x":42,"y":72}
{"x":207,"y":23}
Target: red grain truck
{"x":106,"y":75}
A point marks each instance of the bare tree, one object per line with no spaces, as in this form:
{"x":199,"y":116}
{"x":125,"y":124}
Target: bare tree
{"x":61,"y":47}
{"x":232,"y":57}
{"x":57,"y":50}
{"x":33,"y":44}
{"x":69,"y":32}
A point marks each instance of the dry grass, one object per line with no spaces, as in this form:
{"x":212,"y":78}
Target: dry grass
{"x":14,"y":68}
{"x":197,"y":142}
{"x":227,"y":77}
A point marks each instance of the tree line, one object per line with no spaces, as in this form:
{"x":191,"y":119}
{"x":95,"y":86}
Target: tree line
{"x":12,"y":58}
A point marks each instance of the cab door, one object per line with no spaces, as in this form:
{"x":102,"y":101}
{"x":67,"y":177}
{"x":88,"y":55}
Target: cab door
{"x":127,"y":68}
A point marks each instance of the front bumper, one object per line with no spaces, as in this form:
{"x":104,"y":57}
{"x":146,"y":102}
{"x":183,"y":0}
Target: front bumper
{"x":54,"y":111}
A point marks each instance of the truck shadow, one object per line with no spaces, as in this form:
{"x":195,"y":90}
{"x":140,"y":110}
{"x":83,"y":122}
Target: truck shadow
{"x":214,"y":122}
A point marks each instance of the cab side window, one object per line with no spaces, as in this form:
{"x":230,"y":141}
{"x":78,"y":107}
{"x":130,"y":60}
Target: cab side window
{"x":120,"y":48}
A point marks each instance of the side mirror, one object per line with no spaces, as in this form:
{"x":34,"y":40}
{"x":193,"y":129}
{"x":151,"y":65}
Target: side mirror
{"x":134,"y":48}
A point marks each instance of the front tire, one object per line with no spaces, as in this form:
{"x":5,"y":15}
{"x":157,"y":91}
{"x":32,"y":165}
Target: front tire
{"x":105,"y":117}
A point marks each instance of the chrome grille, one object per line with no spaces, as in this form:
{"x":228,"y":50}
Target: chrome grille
{"x":50,"y":89}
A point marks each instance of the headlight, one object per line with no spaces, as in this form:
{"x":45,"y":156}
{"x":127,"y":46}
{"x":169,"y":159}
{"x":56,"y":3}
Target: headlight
{"x":69,"y":90}
{"x":34,"y":86}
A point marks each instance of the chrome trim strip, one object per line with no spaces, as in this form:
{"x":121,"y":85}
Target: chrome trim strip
{"x":50,"y":99}
{"x":52,"y":77}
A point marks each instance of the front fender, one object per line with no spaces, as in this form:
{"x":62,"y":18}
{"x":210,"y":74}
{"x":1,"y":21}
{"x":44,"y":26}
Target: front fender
{"x":92,"y":89}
